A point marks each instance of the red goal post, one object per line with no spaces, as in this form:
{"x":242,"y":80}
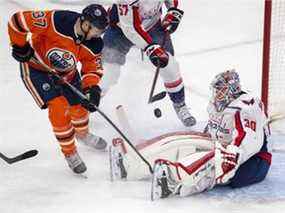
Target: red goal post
{"x":273,"y":67}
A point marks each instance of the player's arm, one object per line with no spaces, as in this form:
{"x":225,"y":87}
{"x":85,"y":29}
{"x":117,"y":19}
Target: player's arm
{"x":23,"y":22}
{"x":92,"y":71}
{"x":20,"y":25}
{"x":131,"y":24}
{"x":248,"y":133}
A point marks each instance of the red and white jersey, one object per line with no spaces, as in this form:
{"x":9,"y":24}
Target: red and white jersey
{"x":137,"y":17}
{"x":241,"y":123}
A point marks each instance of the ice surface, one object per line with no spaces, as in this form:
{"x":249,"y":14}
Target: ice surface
{"x":214,"y":35}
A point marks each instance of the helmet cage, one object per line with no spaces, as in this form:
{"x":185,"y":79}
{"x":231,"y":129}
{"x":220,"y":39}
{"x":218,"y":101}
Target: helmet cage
{"x":225,"y":88}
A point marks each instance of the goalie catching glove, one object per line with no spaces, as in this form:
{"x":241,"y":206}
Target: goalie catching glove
{"x":93,"y":95}
{"x":157,"y":55}
{"x":172,"y":19}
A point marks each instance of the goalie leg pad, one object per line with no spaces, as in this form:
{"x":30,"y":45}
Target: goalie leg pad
{"x":198,"y":174}
{"x":163,"y":181}
{"x":193,"y":174}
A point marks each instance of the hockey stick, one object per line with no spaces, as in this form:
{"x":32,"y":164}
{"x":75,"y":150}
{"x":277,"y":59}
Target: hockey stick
{"x":84,"y":99}
{"x":20,"y":157}
{"x":152,"y":98}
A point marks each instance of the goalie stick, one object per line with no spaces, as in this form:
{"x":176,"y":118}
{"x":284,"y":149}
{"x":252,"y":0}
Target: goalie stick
{"x":153,"y":98}
{"x":125,"y":125}
{"x":20,"y":157}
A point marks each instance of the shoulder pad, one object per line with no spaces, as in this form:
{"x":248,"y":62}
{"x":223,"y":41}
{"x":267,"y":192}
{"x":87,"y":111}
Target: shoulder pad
{"x":95,"y":45}
{"x":64,"y":21}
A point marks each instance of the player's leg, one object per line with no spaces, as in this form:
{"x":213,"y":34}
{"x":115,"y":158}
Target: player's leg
{"x":47,"y":95}
{"x":80,"y":118}
{"x":80,"y":122}
{"x":252,"y":171}
{"x":171,"y":76}
{"x":174,"y":86}
{"x":116,"y":47}
{"x":64,"y":132}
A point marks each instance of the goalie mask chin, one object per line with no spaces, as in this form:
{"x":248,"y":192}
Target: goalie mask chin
{"x":225,"y":88}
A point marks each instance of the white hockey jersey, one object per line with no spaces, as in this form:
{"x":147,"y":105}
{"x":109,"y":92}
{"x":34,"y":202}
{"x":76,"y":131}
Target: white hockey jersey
{"x":243,"y":123}
{"x":136,"y":17}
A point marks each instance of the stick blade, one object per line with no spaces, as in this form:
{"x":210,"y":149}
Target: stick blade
{"x":157,"y":97}
{"x":30,"y":154}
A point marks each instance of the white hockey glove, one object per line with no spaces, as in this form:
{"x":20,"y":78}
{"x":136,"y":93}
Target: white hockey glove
{"x":227,"y":160}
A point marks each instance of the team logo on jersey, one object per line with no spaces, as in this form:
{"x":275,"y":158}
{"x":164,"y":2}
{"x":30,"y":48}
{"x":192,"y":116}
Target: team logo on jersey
{"x":61,"y":60}
{"x":46,"y":86}
{"x":218,"y":127}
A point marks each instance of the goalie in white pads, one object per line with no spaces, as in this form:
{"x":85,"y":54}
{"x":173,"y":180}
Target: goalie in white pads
{"x":235,"y":154}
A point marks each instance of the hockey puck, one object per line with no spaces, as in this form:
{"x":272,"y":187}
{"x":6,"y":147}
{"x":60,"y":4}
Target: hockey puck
{"x":157,"y":112}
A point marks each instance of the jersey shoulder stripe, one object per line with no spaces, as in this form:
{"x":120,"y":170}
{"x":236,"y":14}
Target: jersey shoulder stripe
{"x":64,"y":21}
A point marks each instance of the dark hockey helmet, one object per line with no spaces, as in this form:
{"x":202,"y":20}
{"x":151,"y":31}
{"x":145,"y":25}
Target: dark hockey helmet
{"x":97,"y":15}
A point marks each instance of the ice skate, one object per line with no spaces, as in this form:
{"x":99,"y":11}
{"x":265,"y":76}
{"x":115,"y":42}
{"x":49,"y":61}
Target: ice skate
{"x":93,"y":141}
{"x":75,"y":163}
{"x":184,"y":115}
{"x":163,"y":184}
{"x":117,"y":168}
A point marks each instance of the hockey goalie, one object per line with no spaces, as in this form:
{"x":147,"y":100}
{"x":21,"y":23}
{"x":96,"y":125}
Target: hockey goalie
{"x":232,"y":152}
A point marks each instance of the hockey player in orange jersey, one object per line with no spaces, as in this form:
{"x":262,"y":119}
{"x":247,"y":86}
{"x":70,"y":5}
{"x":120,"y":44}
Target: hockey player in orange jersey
{"x":59,"y":39}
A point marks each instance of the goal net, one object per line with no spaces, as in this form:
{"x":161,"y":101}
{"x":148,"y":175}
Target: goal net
{"x":273,"y":78}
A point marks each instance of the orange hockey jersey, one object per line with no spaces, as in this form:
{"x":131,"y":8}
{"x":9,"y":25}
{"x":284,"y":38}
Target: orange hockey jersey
{"x":51,"y":34}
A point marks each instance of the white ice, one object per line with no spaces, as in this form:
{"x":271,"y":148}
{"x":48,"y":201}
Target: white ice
{"x":214,"y":36}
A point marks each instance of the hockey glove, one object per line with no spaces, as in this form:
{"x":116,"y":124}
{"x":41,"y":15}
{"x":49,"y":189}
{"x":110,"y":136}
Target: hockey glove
{"x":157,"y":55}
{"x":172,"y":19}
{"x":227,"y":160}
{"x":94,"y":95}
{"x":22,"y":54}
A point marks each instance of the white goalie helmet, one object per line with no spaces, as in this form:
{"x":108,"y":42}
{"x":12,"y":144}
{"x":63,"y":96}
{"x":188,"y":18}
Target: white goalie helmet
{"x":225,"y":88}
